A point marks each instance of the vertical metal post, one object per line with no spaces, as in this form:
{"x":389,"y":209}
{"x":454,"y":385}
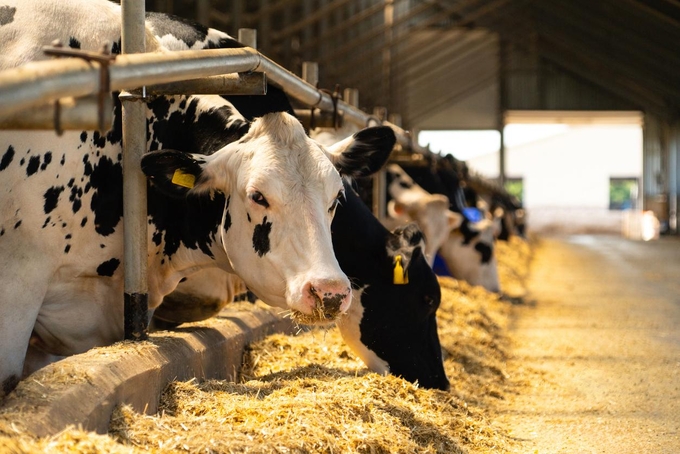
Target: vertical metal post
{"x":203,"y":12}
{"x":387,"y":52}
{"x":351,"y":97}
{"x":248,"y":37}
{"x":380,"y":178}
{"x":134,"y":185}
{"x":310,"y":72}
{"x":502,"y":106}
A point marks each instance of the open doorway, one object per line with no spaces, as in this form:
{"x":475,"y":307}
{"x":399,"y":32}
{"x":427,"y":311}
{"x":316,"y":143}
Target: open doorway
{"x":575,"y":172}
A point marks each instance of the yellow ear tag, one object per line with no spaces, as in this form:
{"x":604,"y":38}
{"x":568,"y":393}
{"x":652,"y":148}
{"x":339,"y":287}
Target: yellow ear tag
{"x":400,"y":276}
{"x":181,"y":178}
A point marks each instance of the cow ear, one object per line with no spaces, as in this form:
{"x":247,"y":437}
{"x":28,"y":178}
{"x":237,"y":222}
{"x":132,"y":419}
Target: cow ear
{"x":455,"y":219}
{"x":364,"y":153}
{"x":174,"y":173}
{"x":404,"y":246}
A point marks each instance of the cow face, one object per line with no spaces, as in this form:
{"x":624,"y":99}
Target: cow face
{"x":469,"y":254}
{"x":280,"y":190}
{"x":410,"y":202}
{"x":393,"y":326}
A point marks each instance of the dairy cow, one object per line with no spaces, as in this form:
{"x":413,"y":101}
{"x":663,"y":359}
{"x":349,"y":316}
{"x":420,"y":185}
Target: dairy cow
{"x":391,"y":325}
{"x":255,"y":198}
{"x":469,"y":250}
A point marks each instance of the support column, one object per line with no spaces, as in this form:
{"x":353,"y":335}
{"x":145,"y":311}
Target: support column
{"x":134,"y":185}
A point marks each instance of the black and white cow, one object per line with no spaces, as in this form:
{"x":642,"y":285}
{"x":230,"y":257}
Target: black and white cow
{"x":391,"y":325}
{"x":469,"y":250}
{"x":252,"y":198}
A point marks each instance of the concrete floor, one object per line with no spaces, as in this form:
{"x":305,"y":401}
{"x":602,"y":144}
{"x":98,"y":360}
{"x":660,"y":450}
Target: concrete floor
{"x":597,"y":349}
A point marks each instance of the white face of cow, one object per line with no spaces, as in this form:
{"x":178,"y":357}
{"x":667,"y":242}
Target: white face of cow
{"x":430,"y":211}
{"x":473,"y":261}
{"x":281,"y":191}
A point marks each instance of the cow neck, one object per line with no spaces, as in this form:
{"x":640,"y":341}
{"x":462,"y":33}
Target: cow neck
{"x":194,"y":125}
{"x":361,"y":252}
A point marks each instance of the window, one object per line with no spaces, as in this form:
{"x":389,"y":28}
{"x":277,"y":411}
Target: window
{"x":623,"y":193}
{"x":515,"y":187}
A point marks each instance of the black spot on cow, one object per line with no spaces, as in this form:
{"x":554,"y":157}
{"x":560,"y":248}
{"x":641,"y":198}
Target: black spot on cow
{"x":52,"y":198}
{"x":47,"y":159}
{"x":107,"y":201}
{"x":102,"y":246}
{"x":157,"y":238}
{"x":161,"y":107}
{"x":68,"y":236}
{"x":248,"y":217}
{"x":108,"y":268}
{"x":33,"y":165}
{"x":227,"y":216}
{"x":2,"y":232}
{"x":485,"y":251}
{"x":75,"y":198}
{"x":16,"y":226}
{"x":115,"y":134}
{"x":83,"y":222}
{"x":73,"y":43}
{"x":87,"y":166}
{"x":98,"y":140}
{"x":47,"y":221}
{"x":7,"y":14}
{"x":7,"y":158}
{"x":22,"y":161}
{"x":67,"y":248}
{"x":261,"y":237}
{"x":71,"y":182}
{"x":63,"y":159}
{"x":116,"y":47}
{"x":468,"y":233}
{"x":83,"y":136}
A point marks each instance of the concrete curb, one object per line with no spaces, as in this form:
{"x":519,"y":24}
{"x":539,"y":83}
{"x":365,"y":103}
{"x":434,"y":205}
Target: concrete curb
{"x":83,"y":390}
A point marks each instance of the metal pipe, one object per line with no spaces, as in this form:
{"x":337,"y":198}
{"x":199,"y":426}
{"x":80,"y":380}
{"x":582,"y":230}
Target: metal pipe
{"x":44,"y":81}
{"x":136,"y":296}
{"x":228,"y":84}
{"x":70,"y":114}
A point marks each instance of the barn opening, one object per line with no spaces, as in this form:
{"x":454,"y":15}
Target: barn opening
{"x":574,"y":172}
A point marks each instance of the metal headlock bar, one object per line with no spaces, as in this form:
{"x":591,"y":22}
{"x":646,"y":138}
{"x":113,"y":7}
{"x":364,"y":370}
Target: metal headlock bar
{"x":37,"y":83}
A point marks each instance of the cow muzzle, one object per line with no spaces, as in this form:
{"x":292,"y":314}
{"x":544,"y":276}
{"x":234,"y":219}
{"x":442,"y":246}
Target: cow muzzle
{"x":322,"y":302}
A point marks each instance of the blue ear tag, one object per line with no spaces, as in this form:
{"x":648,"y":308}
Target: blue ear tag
{"x":472,"y":214}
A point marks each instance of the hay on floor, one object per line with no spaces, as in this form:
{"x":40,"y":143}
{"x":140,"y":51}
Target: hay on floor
{"x":309,"y":394}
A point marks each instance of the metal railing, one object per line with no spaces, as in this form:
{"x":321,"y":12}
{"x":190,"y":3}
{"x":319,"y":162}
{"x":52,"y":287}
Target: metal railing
{"x":32,"y":86}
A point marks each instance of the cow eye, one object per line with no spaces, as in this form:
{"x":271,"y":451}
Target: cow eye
{"x":258,"y":198}
{"x":336,"y":202}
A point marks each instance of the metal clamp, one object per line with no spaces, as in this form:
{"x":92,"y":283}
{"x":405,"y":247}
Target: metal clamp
{"x":104,"y":58}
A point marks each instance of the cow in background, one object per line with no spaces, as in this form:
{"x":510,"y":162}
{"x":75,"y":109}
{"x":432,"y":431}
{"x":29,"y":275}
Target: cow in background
{"x":469,"y":251}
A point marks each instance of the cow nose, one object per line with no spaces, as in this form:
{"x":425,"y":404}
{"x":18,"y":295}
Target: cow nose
{"x":327,"y":297}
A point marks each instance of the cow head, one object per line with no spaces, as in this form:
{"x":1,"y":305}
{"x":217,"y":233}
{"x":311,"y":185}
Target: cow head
{"x":410,"y":202}
{"x":281,"y":190}
{"x":469,"y":254}
{"x":392,"y":323}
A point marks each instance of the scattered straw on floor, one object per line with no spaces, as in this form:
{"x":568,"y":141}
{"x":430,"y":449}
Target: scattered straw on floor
{"x":309,"y":394}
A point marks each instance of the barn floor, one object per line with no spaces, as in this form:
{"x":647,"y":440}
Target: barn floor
{"x":596,"y":352}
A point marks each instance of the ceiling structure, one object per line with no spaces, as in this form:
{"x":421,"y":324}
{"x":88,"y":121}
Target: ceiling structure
{"x":421,"y":58}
